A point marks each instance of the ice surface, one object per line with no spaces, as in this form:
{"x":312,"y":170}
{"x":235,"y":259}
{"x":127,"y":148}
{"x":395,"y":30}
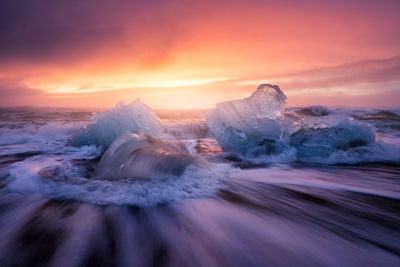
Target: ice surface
{"x":109,"y":125}
{"x":321,"y":142}
{"x":139,"y":156}
{"x":241,"y":125}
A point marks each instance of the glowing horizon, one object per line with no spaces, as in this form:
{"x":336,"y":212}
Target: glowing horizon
{"x":193,"y":54}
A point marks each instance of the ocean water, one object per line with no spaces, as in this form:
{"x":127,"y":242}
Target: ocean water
{"x":225,"y":209}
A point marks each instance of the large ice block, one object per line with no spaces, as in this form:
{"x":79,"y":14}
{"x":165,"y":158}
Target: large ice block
{"x":242,"y":125}
{"x":142,"y":157}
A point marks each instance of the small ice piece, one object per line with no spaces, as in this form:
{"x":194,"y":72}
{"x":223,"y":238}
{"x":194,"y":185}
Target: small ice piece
{"x":321,"y":142}
{"x":316,"y":111}
{"x":109,"y":125}
{"x":134,"y":156}
{"x":242,"y":125}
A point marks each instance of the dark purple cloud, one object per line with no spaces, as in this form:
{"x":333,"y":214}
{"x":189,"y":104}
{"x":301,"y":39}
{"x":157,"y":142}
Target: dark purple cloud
{"x":36,"y":31}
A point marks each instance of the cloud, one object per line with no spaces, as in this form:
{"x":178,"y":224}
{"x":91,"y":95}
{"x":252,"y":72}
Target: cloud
{"x":363,"y":72}
{"x":72,"y":31}
{"x":13,"y":93}
{"x":65,"y":32}
{"x":344,"y":75}
{"x":364,"y":83}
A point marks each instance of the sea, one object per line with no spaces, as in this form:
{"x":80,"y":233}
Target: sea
{"x":228,"y":210}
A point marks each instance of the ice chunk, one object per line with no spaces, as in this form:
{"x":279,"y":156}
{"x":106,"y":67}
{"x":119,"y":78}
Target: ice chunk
{"x":314,"y":111}
{"x":139,"y":156}
{"x":241,"y":125}
{"x":321,"y":142}
{"x":109,"y":125}
{"x":316,"y":116}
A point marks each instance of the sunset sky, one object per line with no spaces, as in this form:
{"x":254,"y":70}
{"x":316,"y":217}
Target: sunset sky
{"x":191,"y":54}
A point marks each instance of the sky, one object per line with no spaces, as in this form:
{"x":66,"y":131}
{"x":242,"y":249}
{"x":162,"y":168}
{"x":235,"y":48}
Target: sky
{"x":193,"y":54}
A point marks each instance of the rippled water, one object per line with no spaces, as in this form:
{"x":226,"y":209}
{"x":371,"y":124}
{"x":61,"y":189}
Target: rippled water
{"x":238,"y":212}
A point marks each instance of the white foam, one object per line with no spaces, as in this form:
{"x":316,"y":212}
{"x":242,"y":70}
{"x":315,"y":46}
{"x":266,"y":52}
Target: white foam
{"x":24,"y":133}
{"x":201,"y":179}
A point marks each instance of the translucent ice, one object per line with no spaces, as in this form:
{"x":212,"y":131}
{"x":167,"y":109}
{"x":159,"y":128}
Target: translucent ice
{"x":109,"y":125}
{"x":321,"y":142}
{"x":241,"y":125}
{"x":139,"y":156}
